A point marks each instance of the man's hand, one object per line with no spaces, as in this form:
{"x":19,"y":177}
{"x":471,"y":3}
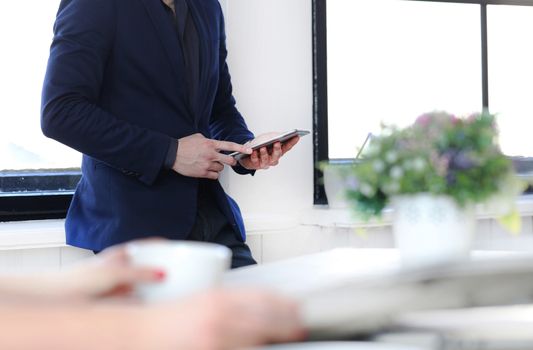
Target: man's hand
{"x":265,"y":157}
{"x":201,"y":158}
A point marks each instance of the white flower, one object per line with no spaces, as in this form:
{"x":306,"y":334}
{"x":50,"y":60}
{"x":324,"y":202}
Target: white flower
{"x":378,"y":166}
{"x":396,"y":172}
{"x":391,"y":157}
{"x":391,"y":188}
{"x":373,"y":149}
{"x":367,"y":190}
{"x":419,"y":164}
{"x":351,"y":182}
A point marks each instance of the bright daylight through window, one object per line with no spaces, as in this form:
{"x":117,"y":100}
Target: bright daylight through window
{"x":26,"y":29}
{"x":510,"y":32}
{"x":391,"y":60}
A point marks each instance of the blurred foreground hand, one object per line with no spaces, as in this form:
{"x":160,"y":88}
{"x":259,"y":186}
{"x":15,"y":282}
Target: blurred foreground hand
{"x":226,"y":319}
{"x":109,"y":274}
{"x":214,"y":320}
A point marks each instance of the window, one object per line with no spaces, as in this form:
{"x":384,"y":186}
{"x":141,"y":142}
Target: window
{"x":391,"y":60}
{"x":37,"y":175}
{"x":511,"y":75}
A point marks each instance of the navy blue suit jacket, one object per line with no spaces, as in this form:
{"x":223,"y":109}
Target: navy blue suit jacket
{"x":116,"y":91}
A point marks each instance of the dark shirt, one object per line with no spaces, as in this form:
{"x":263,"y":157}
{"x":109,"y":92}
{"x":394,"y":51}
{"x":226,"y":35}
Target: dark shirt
{"x":190,"y":47}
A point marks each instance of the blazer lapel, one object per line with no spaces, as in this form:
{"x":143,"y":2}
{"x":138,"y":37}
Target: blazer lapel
{"x":167,"y":34}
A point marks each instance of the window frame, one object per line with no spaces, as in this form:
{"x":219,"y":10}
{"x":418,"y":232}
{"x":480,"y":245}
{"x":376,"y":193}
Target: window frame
{"x":39,"y":193}
{"x":36,"y":194}
{"x":320,"y":81}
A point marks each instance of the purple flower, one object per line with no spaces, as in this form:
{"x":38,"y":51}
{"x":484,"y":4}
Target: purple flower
{"x":351,"y":183}
{"x":455,"y":120}
{"x":451,"y":178}
{"x":424,"y":120}
{"x":461,"y":160}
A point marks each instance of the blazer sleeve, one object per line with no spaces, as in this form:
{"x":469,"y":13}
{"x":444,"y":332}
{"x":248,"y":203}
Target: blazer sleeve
{"x":83,"y":39}
{"x":227,"y":123}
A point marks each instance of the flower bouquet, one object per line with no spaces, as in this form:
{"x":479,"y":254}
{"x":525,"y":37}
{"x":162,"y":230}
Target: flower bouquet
{"x":455,"y":160}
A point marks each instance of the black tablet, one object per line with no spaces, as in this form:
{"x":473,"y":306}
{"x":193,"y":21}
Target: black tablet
{"x":280,"y":138}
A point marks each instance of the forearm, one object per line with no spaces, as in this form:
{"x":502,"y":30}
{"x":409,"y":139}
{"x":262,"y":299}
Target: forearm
{"x":34,"y":287}
{"x":82,"y":326}
{"x":81,"y":125}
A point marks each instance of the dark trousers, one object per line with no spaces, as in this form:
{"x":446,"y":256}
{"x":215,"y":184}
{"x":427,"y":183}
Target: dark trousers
{"x":213,"y":226}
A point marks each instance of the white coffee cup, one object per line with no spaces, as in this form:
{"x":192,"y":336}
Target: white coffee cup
{"x":189,"y":267}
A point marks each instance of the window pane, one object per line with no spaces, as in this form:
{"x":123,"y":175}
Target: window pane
{"x":510,"y":31}
{"x":26,"y":34}
{"x":391,"y":60}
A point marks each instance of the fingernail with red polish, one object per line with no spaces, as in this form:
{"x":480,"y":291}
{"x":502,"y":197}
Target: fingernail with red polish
{"x":160,"y":275}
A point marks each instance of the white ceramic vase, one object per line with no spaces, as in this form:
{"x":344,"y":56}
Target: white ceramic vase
{"x":431,"y":229}
{"x":334,"y":187}
{"x":335,"y":184}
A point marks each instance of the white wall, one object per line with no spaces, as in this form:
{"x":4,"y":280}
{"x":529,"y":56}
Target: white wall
{"x":223,"y":4}
{"x":270,"y":58}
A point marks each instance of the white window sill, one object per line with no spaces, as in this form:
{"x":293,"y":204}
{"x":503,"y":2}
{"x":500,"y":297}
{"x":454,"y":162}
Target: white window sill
{"x":51,"y":233}
{"x":32,"y":234}
{"x":323,"y":216}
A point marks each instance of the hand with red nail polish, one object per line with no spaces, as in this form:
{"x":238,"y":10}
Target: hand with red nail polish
{"x":61,"y":308}
{"x":108,"y":274}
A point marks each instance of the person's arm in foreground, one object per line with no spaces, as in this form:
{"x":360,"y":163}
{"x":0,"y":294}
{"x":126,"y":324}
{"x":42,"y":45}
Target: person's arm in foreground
{"x":217,"y":320}
{"x":106,"y":275}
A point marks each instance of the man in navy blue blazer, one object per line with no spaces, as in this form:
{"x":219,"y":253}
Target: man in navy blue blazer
{"x":142,"y":89}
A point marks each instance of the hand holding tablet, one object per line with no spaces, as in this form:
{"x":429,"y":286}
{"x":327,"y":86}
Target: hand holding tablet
{"x":282,"y":137}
